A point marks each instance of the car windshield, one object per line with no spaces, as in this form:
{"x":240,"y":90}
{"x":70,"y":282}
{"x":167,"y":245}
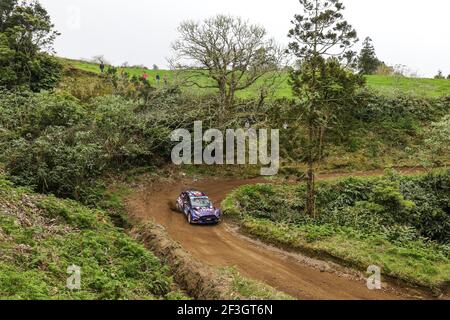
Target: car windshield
{"x":201,"y":202}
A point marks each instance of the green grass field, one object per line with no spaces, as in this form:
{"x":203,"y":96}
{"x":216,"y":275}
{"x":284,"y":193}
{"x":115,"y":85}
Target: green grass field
{"x":385,"y":84}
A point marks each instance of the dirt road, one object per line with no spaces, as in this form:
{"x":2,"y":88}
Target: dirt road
{"x":220,"y":246}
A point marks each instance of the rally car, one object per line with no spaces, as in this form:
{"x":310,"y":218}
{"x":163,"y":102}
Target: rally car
{"x":198,"y":208}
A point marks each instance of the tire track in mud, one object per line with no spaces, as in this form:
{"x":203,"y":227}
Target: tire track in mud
{"x":221,"y":246}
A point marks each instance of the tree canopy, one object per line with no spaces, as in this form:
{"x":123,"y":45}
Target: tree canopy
{"x":230,"y":50}
{"x":368,"y":62}
{"x":26,"y":41}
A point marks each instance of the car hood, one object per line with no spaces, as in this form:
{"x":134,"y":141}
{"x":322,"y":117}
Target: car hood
{"x":206,"y":211}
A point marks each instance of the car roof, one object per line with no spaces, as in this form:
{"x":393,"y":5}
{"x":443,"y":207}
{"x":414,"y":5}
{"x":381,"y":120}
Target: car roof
{"x":195,"y":194}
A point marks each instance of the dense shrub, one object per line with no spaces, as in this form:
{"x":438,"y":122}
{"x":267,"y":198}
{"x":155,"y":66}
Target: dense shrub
{"x":371,"y":126}
{"x":57,"y":144}
{"x":436,"y":143}
{"x":26,"y":35}
{"x":374,"y":107}
{"x":58,"y":161}
{"x":42,"y":236}
{"x":29,"y":114}
{"x":84,"y":85}
{"x":401,"y":208}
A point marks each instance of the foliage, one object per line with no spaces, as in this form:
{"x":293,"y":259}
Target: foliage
{"x":320,"y":86}
{"x":368,"y":62}
{"x":435,"y":149}
{"x":384,"y":206}
{"x":320,"y":30}
{"x":324,"y":89}
{"x":26,"y":34}
{"x":399,"y":223}
{"x":84,"y":85}
{"x":57,"y":144}
{"x":42,"y":236}
{"x":231,"y":52}
{"x":439,"y":75}
{"x":415,"y":262}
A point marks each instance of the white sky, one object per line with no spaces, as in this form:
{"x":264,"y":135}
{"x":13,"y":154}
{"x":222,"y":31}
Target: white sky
{"x":415,"y":33}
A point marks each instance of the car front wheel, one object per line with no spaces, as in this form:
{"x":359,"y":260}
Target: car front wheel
{"x":190,"y":218}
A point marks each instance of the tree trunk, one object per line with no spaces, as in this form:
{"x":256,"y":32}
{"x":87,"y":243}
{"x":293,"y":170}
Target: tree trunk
{"x":311,"y":188}
{"x":311,"y":191}
{"x":230,"y":95}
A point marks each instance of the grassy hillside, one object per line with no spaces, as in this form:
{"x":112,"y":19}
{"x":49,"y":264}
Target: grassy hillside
{"x":41,"y":236}
{"x":385,"y":84}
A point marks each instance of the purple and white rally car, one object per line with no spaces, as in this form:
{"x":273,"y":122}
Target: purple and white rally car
{"x":198,"y":208}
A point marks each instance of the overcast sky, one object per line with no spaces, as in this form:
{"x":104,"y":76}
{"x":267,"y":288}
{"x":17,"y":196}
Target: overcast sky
{"x":415,"y":33}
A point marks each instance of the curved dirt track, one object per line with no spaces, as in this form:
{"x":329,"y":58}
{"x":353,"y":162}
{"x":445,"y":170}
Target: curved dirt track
{"x":220,"y":246}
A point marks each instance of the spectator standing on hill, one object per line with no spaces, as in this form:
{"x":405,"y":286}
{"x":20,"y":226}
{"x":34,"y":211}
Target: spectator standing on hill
{"x":102,"y":67}
{"x":145,"y":76}
{"x":158,"y":78}
{"x":166,"y":80}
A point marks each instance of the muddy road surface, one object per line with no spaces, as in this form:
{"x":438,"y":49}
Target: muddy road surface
{"x":222,"y":246}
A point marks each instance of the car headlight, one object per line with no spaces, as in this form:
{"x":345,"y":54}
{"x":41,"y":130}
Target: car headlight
{"x":195,"y":214}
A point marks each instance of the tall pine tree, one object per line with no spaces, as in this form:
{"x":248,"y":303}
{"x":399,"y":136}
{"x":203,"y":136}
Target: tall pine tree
{"x":368,"y":62}
{"x":322,"y":42}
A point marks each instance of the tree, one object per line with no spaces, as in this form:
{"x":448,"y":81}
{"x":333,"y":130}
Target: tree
{"x":100,"y":59}
{"x":368,"y":62}
{"x":155,"y":67}
{"x":439,"y":76}
{"x":26,"y":41}
{"x":322,"y":41}
{"x":448,"y":77}
{"x":232,"y":52}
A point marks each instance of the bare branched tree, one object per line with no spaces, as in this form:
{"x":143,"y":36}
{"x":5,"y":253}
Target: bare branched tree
{"x":224,"y":53}
{"x":99,"y":59}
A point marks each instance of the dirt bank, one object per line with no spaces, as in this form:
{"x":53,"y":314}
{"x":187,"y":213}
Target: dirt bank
{"x":200,"y":281}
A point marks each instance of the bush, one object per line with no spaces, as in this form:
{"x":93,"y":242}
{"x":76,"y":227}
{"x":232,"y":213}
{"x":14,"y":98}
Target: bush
{"x":416,"y":205}
{"x":59,"y":145}
{"x":26,"y":34}
{"x":58,"y":161}
{"x":128,"y":137}
{"x":376,"y":108}
{"x":29,"y":114}
{"x":401,"y":224}
{"x":52,"y":142}
{"x":42,"y":236}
